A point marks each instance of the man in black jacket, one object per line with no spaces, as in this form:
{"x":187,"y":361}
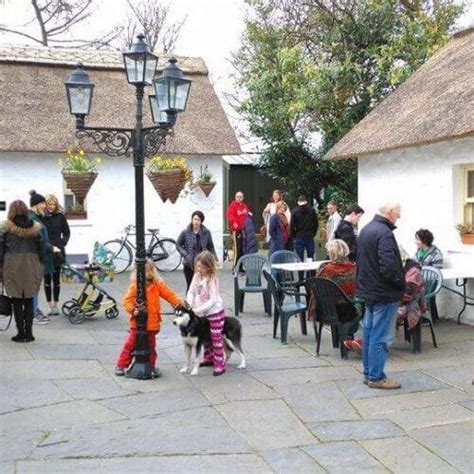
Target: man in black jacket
{"x":346,"y":229}
{"x":381,"y":285}
{"x":304,"y":225}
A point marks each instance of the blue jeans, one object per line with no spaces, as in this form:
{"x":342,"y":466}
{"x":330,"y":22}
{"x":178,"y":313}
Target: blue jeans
{"x":379,"y":325}
{"x":302,"y":243}
{"x":35,"y":302}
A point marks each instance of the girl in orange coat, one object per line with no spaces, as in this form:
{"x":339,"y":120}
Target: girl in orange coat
{"x":155,"y":289}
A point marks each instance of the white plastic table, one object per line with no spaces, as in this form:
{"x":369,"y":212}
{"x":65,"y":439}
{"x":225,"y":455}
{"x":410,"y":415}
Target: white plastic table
{"x":299,"y":266}
{"x":461,"y":275}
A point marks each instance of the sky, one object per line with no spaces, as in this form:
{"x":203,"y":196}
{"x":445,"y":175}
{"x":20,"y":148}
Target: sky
{"x":212,"y":31}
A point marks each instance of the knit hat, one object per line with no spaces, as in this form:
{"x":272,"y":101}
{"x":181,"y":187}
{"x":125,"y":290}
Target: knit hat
{"x":36,"y":198}
{"x":199,"y":214}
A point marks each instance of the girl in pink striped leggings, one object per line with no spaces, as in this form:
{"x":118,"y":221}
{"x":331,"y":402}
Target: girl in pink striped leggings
{"x":203,"y":297}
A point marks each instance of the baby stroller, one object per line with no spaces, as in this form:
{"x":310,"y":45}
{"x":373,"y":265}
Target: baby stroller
{"x":92,"y":300}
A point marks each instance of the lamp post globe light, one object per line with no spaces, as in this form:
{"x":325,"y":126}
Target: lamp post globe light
{"x":139,"y":142}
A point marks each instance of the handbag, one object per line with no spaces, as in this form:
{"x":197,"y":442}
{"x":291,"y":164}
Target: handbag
{"x":5,"y":303}
{"x":263,"y":231}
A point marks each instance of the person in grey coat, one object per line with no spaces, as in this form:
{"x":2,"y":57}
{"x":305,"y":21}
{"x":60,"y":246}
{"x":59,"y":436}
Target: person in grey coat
{"x":22,"y":252}
{"x":191,"y":242}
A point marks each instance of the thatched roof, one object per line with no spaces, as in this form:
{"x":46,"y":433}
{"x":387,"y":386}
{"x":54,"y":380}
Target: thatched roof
{"x":34,"y":114}
{"x":435,"y":104}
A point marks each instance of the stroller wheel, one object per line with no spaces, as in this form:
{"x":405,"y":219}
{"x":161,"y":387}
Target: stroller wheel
{"x":111,"y":313}
{"x":76,"y":316}
{"x":67,"y":307}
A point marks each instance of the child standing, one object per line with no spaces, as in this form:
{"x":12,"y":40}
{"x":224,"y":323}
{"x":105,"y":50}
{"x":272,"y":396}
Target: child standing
{"x":203,"y":297}
{"x":155,"y":289}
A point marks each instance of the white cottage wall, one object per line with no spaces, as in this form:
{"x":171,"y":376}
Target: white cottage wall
{"x":426,"y":181}
{"x":110,"y":202}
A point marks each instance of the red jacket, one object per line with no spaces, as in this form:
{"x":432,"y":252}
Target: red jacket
{"x":237,"y":213}
{"x":154,"y":291}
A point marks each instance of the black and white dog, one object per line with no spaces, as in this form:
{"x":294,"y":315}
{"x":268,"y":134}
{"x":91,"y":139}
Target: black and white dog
{"x":196,"y":332}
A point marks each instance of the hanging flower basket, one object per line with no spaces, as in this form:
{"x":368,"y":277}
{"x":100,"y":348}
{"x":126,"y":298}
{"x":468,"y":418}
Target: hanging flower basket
{"x":206,"y":187}
{"x":79,"y":172}
{"x":168,"y":183}
{"x":205,"y":180}
{"x":168,"y":176}
{"x":79,"y":183}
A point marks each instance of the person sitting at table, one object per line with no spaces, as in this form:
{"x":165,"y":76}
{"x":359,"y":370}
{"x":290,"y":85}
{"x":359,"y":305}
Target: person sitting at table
{"x":428,"y":254}
{"x":342,"y":271}
{"x":279,"y":229}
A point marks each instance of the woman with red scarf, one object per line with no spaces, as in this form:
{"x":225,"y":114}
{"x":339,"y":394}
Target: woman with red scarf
{"x":237,"y":214}
{"x":279,"y":229}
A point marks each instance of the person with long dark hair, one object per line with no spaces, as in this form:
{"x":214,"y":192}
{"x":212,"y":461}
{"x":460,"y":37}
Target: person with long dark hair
{"x":22,"y":252}
{"x":191,"y":242}
{"x":58,"y":233}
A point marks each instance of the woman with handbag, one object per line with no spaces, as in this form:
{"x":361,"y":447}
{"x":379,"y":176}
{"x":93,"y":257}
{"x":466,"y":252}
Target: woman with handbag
{"x":22,"y":252}
{"x":58,"y":233}
{"x":269,"y":211}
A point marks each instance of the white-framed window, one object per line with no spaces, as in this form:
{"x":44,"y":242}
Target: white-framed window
{"x":468,"y":194}
{"x":71,"y":206}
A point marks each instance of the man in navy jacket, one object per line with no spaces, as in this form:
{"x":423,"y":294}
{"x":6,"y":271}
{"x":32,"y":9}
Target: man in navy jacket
{"x":381,"y":285}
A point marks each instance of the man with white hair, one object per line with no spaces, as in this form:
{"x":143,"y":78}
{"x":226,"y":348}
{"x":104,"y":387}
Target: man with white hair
{"x":381,"y":285}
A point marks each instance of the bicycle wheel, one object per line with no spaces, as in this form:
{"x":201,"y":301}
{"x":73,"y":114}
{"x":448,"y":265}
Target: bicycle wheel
{"x":121,"y":254}
{"x":165,"y":255}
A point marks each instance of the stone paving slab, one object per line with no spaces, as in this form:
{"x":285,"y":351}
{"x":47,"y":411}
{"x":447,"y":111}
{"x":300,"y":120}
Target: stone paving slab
{"x":7,"y":467}
{"x":75,"y":413}
{"x":231,"y":464}
{"x":373,"y":407}
{"x":197,"y":431}
{"x":155,"y":403}
{"x":298,"y":376}
{"x":170,"y":379}
{"x":343,"y":457}
{"x":52,"y":369}
{"x":454,"y":443}
{"x":19,"y":444}
{"x":61,"y":332}
{"x":233,"y":387}
{"x":268,"y":424}
{"x":74,"y":352}
{"x":10,"y":352}
{"x":291,"y":461}
{"x":91,"y":388}
{"x":355,"y":430}
{"x":405,"y":455}
{"x":460,"y":377}
{"x":468,"y":404}
{"x":431,"y":416}
{"x":317,"y":402}
{"x":17,"y":394}
{"x":281,"y":363}
{"x":412,"y":381}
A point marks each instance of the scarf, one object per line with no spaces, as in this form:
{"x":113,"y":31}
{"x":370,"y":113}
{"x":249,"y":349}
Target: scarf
{"x":284,"y":227}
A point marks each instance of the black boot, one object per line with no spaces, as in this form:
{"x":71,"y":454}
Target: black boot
{"x":29,"y":325}
{"x":20,"y":323}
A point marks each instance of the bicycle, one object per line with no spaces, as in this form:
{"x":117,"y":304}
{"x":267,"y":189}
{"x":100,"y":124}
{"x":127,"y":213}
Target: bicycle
{"x":162,"y":251}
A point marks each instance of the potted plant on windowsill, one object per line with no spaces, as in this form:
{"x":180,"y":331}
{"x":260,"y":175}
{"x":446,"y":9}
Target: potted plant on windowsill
{"x":76,"y":212}
{"x":168,"y":176}
{"x":466,"y":231}
{"x":205,"y":180}
{"x":79,"y":172}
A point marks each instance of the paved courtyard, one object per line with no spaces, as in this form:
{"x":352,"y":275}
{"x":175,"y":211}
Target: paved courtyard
{"x":63,"y":410}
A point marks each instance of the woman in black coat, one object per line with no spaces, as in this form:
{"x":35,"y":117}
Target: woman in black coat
{"x":59,"y":233}
{"x":192,"y":241}
{"x":22,"y":252}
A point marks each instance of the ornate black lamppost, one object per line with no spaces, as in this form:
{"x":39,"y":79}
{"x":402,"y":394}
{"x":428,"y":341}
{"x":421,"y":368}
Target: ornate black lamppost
{"x":171,"y":95}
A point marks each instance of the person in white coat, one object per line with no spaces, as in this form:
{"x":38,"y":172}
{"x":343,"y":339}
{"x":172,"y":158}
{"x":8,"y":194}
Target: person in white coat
{"x":333,"y":221}
{"x":270,"y":210}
